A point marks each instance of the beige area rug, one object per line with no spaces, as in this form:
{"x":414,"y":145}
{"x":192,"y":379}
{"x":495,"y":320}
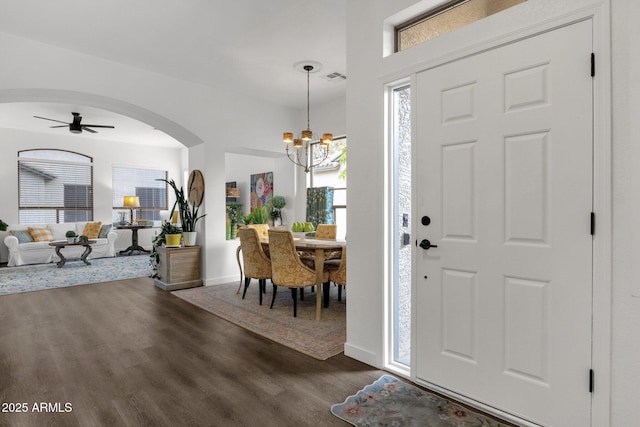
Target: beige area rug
{"x":319,"y":339}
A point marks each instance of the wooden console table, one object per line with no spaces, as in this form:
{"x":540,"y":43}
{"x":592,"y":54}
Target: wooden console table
{"x":178,"y":268}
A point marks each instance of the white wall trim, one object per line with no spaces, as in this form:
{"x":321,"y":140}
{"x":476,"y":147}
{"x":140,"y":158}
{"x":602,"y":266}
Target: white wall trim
{"x":603,"y":207}
{"x":361,"y":355}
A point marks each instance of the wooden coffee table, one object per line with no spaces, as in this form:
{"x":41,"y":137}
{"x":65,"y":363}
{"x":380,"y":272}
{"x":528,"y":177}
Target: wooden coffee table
{"x":63,"y":244}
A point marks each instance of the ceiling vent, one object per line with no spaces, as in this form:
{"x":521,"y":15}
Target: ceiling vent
{"x":335,"y":77}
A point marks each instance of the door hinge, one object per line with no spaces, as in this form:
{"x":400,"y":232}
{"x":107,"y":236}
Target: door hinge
{"x":593,"y":223}
{"x":593,"y":64}
{"x":590,"y":380}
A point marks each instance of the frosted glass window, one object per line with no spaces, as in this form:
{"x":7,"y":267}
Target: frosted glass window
{"x":446,"y":18}
{"x":401,"y":310}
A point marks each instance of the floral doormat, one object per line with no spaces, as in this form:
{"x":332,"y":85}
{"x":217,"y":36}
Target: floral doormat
{"x":320,"y":339}
{"x":27,"y":278}
{"x":391,"y":402}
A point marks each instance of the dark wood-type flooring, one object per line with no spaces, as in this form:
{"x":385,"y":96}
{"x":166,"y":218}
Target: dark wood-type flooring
{"x":126,"y":353}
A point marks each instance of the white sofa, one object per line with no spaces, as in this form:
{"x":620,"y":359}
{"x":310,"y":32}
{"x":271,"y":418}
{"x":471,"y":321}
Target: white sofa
{"x":41,"y":252}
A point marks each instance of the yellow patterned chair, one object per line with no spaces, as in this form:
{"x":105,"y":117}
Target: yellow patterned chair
{"x":326,"y":231}
{"x":338,"y":272}
{"x":323,"y":232}
{"x":261,"y":228}
{"x":256,"y":264}
{"x":286,"y":267}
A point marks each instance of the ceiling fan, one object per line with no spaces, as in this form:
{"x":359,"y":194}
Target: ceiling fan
{"x":76,"y":126}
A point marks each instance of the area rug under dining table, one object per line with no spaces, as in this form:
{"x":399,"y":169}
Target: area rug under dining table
{"x":320,"y":339}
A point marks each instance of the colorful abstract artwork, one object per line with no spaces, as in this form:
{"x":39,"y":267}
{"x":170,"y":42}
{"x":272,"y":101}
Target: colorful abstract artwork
{"x":261,"y":189}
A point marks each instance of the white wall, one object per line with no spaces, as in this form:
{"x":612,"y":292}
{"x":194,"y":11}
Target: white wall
{"x":369,"y":70}
{"x":626,"y":212}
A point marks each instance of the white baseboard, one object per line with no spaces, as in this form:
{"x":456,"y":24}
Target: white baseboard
{"x":362,"y":355}
{"x":222,"y":280}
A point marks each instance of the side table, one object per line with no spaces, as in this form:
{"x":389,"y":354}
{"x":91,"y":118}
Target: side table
{"x":134,"y":239}
{"x":178,"y":268}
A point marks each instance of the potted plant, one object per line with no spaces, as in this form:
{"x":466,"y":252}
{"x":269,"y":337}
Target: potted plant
{"x":71,"y":236}
{"x":168,"y":234}
{"x":234,"y":214}
{"x":259,"y":215}
{"x":276,"y":204}
{"x":3,"y":225}
{"x":188,"y":213}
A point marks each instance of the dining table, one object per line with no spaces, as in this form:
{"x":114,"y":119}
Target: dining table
{"x":317,"y":249}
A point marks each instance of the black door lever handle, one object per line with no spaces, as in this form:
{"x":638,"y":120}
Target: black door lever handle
{"x":426,"y":244}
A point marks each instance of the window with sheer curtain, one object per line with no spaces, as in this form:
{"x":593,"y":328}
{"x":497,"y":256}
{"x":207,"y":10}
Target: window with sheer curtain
{"x":143,"y":183}
{"x":54,"y":186}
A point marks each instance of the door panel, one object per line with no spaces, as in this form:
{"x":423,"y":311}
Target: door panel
{"x":504,"y":144}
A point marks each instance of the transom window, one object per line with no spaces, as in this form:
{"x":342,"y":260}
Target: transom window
{"x":54,"y":186}
{"x":446,"y":18}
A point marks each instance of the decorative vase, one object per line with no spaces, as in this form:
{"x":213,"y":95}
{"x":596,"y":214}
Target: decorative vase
{"x":233,"y":233}
{"x":189,"y":238}
{"x":71,"y":239}
{"x":173,"y":240}
{"x":228,"y":231}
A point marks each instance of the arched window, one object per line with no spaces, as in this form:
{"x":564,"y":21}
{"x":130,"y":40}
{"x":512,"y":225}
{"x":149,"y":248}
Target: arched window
{"x":54,"y":186}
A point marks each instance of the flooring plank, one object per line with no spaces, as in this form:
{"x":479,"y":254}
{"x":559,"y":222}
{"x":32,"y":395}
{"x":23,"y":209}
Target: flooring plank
{"x":127,"y":353}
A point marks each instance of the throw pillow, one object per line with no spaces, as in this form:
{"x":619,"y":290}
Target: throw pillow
{"x":23,"y":235}
{"x":92,"y":229}
{"x":40,"y":234}
{"x":104,"y":230}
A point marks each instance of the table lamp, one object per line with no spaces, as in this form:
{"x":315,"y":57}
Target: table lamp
{"x":131,"y":202}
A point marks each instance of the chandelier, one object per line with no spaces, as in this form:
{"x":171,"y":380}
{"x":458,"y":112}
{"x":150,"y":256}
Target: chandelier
{"x":301,"y":153}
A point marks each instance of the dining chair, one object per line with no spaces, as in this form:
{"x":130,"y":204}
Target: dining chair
{"x":261,"y":228}
{"x":338,"y":272}
{"x":323,"y":232}
{"x":286,"y":267}
{"x":256,"y":264}
{"x":326,"y":231}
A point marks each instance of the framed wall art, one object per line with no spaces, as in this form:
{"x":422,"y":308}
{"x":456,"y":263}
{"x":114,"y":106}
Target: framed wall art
{"x":261,"y":189}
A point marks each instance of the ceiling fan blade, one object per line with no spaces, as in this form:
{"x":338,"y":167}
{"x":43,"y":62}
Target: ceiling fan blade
{"x":53,"y":120}
{"x":88,"y":130}
{"x":99,"y":126}
{"x":60,"y":126}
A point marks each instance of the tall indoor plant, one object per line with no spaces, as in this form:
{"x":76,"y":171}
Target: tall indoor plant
{"x":188,"y":213}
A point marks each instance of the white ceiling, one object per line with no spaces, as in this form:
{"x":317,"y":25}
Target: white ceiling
{"x":250,"y":45}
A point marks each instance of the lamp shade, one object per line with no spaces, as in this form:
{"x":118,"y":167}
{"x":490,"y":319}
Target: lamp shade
{"x":131,"y":201}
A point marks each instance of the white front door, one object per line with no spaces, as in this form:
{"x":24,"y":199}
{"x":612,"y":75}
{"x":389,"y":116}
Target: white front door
{"x":504,"y":173}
